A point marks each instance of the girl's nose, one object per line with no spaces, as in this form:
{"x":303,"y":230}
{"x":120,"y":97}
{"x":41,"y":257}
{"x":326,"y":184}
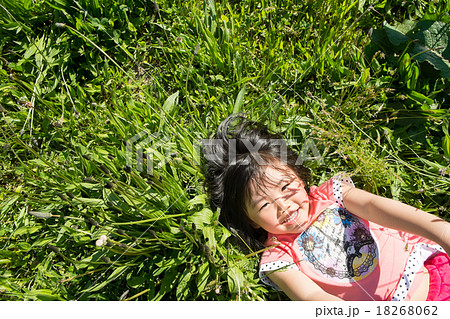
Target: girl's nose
{"x":282,"y":206}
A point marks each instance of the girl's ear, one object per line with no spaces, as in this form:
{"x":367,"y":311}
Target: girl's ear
{"x":254,"y":225}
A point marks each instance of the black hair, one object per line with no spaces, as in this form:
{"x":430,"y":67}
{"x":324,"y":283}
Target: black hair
{"x":233,"y":159}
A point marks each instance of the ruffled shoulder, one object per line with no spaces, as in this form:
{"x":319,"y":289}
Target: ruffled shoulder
{"x":276,"y":257}
{"x":326,"y":194}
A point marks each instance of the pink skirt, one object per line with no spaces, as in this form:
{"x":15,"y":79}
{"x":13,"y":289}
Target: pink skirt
{"x":438,"y":267}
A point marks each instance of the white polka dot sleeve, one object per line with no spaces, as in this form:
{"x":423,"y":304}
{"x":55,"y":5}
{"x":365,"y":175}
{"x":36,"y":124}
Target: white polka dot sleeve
{"x":267,"y":268}
{"x":337,"y":188}
{"x":419,"y":255}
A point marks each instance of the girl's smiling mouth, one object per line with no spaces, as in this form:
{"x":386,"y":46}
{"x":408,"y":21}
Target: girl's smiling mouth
{"x":291,"y":217}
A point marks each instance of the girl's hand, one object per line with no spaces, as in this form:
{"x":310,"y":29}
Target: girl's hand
{"x":446,"y":239}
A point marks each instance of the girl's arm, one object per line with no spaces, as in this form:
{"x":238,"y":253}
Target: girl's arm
{"x":297,"y":286}
{"x":396,"y":215}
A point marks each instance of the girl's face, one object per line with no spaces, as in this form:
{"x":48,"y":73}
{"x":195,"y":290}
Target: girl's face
{"x":281,"y":204}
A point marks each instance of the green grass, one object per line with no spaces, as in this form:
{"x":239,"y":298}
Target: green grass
{"x":78,"y":79}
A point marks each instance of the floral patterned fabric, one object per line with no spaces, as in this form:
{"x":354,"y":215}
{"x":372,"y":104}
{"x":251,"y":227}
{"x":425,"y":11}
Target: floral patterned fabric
{"x":339,"y":246}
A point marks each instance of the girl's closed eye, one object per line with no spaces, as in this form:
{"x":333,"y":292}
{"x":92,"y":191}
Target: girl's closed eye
{"x":285,"y":186}
{"x":265,"y":205}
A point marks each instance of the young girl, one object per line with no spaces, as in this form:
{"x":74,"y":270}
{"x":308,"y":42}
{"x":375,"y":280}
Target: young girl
{"x":332,"y":242}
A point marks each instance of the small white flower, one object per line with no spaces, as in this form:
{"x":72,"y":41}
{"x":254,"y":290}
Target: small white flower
{"x":101,"y":241}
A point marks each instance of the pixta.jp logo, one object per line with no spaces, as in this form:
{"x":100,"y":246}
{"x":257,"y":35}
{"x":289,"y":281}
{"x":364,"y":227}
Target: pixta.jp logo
{"x":150,"y":151}
{"x":213,"y":150}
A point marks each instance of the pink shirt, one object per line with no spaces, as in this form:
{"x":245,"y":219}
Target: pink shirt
{"x":347,"y":256}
